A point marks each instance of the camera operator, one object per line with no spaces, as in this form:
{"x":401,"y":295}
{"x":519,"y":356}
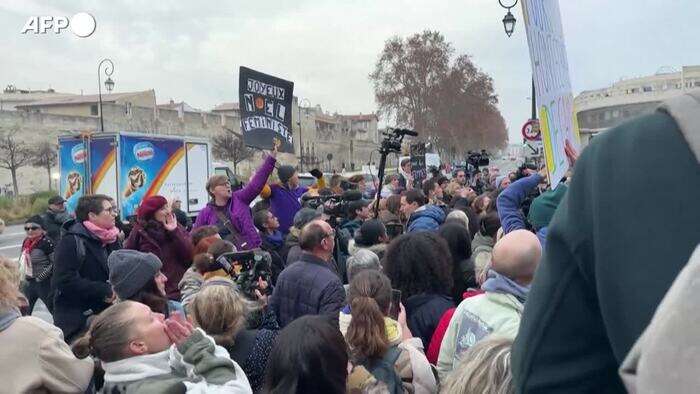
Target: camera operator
{"x":358,"y":212}
{"x":405,"y":178}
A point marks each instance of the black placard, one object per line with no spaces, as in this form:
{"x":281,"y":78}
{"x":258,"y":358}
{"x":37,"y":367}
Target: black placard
{"x":418,"y":170}
{"x":266,"y":110}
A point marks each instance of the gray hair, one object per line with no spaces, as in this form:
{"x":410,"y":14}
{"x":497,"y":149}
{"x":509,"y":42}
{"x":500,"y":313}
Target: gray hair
{"x":458,"y":216}
{"x":363,"y":259}
{"x":484,"y":368}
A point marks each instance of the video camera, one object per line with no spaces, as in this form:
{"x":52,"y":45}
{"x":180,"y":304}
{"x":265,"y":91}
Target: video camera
{"x":392,"y":140}
{"x":245,"y":268}
{"x":477,"y":159}
{"x":334,"y":205}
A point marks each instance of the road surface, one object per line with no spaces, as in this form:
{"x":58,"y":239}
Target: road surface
{"x":10,"y":246}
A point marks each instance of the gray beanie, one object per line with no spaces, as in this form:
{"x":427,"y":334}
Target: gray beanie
{"x":305,"y":216}
{"x":284,"y":173}
{"x":130,"y":270}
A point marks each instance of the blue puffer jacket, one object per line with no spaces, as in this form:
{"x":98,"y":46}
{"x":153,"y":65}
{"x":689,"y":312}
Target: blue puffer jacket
{"x":426,"y":218}
{"x":307,"y":287}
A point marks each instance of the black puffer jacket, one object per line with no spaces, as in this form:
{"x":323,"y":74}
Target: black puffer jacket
{"x":423,"y":313}
{"x":307,"y":287}
{"x":80,"y":283}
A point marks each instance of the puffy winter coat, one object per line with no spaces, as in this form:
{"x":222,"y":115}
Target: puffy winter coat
{"x":238,"y":207}
{"x":426,"y":218}
{"x":423,"y":313}
{"x":307,"y":287}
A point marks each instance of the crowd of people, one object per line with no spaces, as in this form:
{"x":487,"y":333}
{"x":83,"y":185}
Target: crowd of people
{"x":463,"y":283}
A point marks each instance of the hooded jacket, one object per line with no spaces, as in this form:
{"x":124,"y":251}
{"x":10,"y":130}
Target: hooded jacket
{"x":173,"y":248}
{"x":195,"y":366}
{"x":426,"y":218}
{"x":35,"y":358}
{"x":496,"y":312}
{"x":378,"y":249}
{"x":412,"y":366}
{"x":81,"y":285}
{"x":239,"y":207}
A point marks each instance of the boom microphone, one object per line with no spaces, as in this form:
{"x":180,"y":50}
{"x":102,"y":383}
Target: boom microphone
{"x":406,"y":132}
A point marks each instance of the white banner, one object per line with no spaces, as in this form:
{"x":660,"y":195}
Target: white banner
{"x":550,"y":69}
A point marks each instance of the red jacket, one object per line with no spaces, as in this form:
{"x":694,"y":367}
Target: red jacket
{"x":173,"y":248}
{"x":436,"y":340}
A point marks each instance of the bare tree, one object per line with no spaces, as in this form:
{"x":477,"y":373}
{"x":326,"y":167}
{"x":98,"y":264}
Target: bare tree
{"x":417,"y":83}
{"x":13,"y":153}
{"x":230,"y":147}
{"x":45,"y":156}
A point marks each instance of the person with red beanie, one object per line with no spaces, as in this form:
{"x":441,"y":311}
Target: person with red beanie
{"x":157,"y":231}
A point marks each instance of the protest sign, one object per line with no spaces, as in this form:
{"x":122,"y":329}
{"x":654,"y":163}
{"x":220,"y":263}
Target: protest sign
{"x":418,"y":169}
{"x":550,"y":69}
{"x":266,"y":110}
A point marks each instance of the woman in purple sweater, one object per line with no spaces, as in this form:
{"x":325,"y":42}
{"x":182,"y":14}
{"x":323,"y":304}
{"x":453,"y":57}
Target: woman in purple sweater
{"x":234,"y":207}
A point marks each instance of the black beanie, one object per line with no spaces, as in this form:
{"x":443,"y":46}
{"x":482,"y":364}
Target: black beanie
{"x":36,"y":219}
{"x":284,"y":173}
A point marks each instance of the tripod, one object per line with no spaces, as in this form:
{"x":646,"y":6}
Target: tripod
{"x":391,"y":143}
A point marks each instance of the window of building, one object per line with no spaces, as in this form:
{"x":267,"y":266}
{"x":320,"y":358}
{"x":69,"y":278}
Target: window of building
{"x":647,"y":88}
{"x":127,"y":108}
{"x":93,"y":110}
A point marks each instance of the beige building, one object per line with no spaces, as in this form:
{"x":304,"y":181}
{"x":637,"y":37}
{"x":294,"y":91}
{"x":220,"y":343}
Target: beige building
{"x":11,"y":97}
{"x":601,"y":109}
{"x":348,"y":138}
{"x":88,"y":105}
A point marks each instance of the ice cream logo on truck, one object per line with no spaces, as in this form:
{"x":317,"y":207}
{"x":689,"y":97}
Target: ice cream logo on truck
{"x":144,"y":151}
{"x":78,"y":153}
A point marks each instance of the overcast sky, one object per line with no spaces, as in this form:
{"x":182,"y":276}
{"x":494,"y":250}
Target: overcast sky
{"x":192,"y":50}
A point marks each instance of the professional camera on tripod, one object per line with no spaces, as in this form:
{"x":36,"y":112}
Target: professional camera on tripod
{"x":391,"y":144}
{"x":476,"y":160}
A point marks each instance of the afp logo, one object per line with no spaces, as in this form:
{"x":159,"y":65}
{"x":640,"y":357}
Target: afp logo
{"x":82,"y":24}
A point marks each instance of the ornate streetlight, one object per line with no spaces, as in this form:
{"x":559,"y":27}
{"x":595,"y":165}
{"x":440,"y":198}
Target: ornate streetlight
{"x":509,"y":19}
{"x":109,"y":84}
{"x":300,"y":102}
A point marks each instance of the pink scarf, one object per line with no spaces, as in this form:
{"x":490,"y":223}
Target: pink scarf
{"x":106,"y":236}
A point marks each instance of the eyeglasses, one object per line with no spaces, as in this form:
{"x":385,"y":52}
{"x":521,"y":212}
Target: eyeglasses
{"x":31,"y":228}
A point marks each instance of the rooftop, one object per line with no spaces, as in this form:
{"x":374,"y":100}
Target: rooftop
{"x":226,"y":107}
{"x":81,"y":99}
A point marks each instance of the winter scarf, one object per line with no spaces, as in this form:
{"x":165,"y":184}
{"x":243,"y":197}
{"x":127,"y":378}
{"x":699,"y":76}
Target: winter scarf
{"x":27,"y":246}
{"x":497,"y":283}
{"x":106,"y":236}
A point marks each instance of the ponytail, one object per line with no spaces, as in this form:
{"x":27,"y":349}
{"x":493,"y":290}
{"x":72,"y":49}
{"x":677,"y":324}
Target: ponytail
{"x":81,"y":347}
{"x":366,"y":334}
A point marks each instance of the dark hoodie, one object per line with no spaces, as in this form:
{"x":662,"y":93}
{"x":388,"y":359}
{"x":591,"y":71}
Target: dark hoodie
{"x":80,"y":283}
{"x":423,"y":313}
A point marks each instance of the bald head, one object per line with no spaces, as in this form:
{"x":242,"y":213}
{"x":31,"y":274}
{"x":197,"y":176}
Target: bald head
{"x":516,"y":256}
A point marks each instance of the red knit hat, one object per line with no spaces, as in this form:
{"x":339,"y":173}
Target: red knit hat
{"x":149,"y":206}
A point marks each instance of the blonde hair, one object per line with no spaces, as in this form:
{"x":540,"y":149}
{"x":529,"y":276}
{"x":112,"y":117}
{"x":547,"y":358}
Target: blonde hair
{"x":9,"y":284}
{"x":484,"y":369}
{"x":220,"y":310}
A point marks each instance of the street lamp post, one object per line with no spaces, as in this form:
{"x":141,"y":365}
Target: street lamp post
{"x":300,"y":101}
{"x":509,"y":19}
{"x":109,"y":84}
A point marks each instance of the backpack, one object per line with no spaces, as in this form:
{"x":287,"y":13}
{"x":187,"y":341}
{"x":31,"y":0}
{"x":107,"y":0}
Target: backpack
{"x":383,"y":370}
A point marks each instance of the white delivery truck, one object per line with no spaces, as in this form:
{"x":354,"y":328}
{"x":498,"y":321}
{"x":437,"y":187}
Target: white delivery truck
{"x":132,"y":166}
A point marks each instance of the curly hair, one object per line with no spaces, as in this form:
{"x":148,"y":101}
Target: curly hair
{"x":419,"y":263}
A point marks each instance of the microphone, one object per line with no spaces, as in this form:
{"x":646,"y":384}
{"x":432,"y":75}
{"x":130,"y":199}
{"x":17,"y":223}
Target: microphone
{"x":406,"y":132}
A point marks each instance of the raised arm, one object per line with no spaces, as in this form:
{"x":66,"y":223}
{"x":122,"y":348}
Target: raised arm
{"x":509,"y":201}
{"x":256,"y":184}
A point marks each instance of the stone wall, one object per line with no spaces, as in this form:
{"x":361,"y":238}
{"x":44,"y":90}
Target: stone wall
{"x":37,"y":127}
